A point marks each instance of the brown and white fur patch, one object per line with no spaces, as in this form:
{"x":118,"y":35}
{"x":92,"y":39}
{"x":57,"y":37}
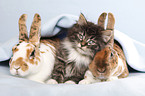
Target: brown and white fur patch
{"x":32,"y":58}
{"x":39,"y":71}
{"x":105,"y":68}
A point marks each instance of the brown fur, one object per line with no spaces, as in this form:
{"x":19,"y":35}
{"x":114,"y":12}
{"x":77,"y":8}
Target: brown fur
{"x":122,"y":56}
{"x":23,"y":36}
{"x":101,"y":20}
{"x":105,"y":61}
{"x":29,"y":51}
{"x":42,"y":51}
{"x":20,"y":62}
{"x":35,"y":30}
{"x":100,"y":65}
{"x":15,"y":50}
{"x":28,"y":45}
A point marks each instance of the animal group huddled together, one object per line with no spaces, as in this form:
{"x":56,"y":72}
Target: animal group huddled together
{"x":88,"y":54}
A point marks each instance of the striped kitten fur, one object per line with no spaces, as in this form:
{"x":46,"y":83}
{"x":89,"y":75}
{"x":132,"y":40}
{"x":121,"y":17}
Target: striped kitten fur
{"x":77,"y":50}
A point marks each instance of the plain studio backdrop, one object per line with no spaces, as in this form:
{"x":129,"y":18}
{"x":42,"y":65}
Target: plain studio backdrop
{"x":129,"y":14}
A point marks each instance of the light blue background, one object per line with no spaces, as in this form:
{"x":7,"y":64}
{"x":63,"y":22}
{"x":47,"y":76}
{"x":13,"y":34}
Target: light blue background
{"x":129,"y":14}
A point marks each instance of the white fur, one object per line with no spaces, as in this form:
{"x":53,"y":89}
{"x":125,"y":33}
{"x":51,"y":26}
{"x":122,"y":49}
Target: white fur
{"x":51,"y":81}
{"x":70,"y":82}
{"x":120,"y":63}
{"x":39,"y":72}
{"x":75,"y":56}
{"x":89,"y":78}
{"x":47,"y":64}
{"x":20,"y":53}
{"x":112,"y":78}
{"x":22,"y":50}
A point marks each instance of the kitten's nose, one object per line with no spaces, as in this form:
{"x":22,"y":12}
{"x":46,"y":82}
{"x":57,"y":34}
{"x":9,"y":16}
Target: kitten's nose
{"x":83,"y":44}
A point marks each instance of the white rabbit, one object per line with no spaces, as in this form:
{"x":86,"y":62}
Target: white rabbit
{"x":33,"y":58}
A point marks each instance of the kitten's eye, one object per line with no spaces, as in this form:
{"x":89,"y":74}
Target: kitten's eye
{"x":32,"y":54}
{"x":80,"y":37}
{"x":91,"y":42}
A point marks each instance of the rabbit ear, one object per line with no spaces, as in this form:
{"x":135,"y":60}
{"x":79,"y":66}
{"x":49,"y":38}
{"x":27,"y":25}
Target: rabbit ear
{"x":23,"y":35}
{"x":82,"y":20}
{"x":108,"y":34}
{"x":111,"y":22}
{"x":110,"y":26}
{"x":101,"y":20}
{"x":35,"y":31}
{"x":111,"y":40}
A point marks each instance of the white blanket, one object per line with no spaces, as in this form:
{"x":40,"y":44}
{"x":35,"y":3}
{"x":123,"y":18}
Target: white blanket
{"x":134,"y":50}
{"x":12,"y":86}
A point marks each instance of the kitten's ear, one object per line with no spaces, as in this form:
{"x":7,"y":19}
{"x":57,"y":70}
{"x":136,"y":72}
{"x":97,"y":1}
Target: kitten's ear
{"x":82,"y":20}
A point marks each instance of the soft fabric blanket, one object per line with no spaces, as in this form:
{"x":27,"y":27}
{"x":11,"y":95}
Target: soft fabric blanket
{"x":13,"y":86}
{"x":134,"y":50}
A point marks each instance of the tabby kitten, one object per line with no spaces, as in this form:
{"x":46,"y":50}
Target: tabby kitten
{"x":76,"y":51}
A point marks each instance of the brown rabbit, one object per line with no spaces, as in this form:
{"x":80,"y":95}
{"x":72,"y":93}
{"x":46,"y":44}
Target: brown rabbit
{"x":109,"y":63}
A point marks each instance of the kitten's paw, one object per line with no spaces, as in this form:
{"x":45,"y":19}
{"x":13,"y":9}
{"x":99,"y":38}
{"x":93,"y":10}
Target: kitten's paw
{"x":70,"y":82}
{"x":112,"y":79}
{"x":41,"y":82}
{"x":51,"y":81}
{"x":85,"y":81}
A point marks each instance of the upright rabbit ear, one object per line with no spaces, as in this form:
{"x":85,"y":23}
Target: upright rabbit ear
{"x":82,"y":20}
{"x":111,"y":22}
{"x":108,"y":34}
{"x":101,"y":20}
{"x":35,"y":31}
{"x":23,"y":35}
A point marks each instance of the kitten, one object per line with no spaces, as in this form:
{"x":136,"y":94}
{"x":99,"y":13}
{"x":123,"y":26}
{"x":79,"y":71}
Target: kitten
{"x":76,"y":51}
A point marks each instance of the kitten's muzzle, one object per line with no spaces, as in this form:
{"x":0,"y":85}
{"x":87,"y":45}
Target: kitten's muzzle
{"x":83,"y":43}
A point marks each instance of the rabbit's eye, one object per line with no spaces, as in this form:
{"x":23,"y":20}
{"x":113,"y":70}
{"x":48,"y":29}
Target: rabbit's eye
{"x":111,"y":54}
{"x":15,"y":49}
{"x":32,"y":54}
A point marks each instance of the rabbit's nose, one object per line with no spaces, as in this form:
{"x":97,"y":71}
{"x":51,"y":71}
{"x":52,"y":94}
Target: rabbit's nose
{"x":102,"y":70}
{"x":17,"y":67}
